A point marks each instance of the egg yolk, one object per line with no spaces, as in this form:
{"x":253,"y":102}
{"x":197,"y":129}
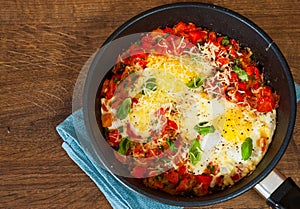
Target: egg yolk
{"x":234,"y":126}
{"x":181,"y":68}
{"x":140,"y":117}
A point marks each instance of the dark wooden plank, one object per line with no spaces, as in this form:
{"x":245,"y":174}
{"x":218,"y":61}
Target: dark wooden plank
{"x":43,"y":46}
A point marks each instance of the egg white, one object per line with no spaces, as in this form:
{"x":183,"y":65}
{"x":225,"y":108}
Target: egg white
{"x":232,"y":123}
{"x":226,"y":152}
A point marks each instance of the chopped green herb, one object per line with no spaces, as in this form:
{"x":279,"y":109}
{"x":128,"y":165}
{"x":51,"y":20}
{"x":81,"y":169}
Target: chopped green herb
{"x":171,"y":145}
{"x":246,"y":148}
{"x":211,"y":169}
{"x":151,"y":84}
{"x":124,"y":146}
{"x":116,"y":80}
{"x":195,"y":83}
{"x":138,"y":42}
{"x":159,"y":39}
{"x":225,"y":41}
{"x":166,"y":35}
{"x":124,"y":109}
{"x":195,"y":152}
{"x":149,"y":139}
{"x":122,"y":66}
{"x":237,"y":62}
{"x":203,"y":130}
{"x":241,"y":73}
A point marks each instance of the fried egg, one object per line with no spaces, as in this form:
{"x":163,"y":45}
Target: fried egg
{"x":233,"y":126}
{"x":163,"y":85}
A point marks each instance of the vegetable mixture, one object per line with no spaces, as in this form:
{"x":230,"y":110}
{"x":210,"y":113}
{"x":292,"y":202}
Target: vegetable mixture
{"x":192,"y":109}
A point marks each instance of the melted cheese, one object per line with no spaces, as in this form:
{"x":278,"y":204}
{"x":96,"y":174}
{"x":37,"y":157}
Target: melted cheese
{"x":188,"y":107}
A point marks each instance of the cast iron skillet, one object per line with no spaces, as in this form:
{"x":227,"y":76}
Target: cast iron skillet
{"x":221,"y":20}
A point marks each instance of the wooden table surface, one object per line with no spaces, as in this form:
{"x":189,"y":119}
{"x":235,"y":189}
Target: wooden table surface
{"x":43,"y":46}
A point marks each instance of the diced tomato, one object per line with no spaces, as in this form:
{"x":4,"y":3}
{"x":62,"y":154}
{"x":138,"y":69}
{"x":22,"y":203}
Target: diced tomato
{"x":114,"y":137}
{"x":170,"y":127}
{"x":140,"y":55}
{"x":233,"y":77}
{"x":219,"y":39}
{"x":106,"y":119}
{"x":112,"y":86}
{"x":219,"y":180}
{"x":266,"y":100}
{"x":239,"y":97}
{"x":235,"y":177}
{"x":103,"y":107}
{"x":233,"y":53}
{"x":134,"y":101}
{"x":257,"y":73}
{"x":242,"y":86}
{"x":249,"y":70}
{"x":181,"y":26}
{"x":265,"y":92}
{"x":205,"y":180}
{"x":222,"y":61}
{"x":168,"y":30}
{"x":138,"y":171}
{"x":172,"y":124}
{"x":173,"y":177}
{"x":197,"y":36}
{"x":154,"y":152}
{"x":142,"y":63}
{"x":158,"y":184}
{"x":158,"y":30}
{"x":234,"y":44}
{"x":265,"y":104}
{"x":139,"y":58}
{"x":125,"y":73}
{"x":183,"y":185}
{"x":248,"y":93}
{"x":212,"y":36}
{"x":105,"y":87}
{"x":256,"y":85}
{"x":262,"y":143}
{"x":146,"y":43}
{"x":138,"y":151}
{"x":191,"y":27}
{"x":182,"y":170}
{"x":126,"y":60}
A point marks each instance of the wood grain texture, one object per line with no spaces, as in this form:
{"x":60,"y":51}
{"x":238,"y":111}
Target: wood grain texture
{"x":43,"y":46}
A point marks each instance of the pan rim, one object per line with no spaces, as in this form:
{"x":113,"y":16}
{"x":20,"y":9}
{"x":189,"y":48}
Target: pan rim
{"x":290,"y":84}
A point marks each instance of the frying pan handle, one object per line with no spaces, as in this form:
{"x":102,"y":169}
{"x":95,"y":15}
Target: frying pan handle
{"x":280,"y":192}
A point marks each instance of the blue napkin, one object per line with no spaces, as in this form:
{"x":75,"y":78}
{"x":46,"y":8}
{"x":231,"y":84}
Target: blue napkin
{"x":297,"y":87}
{"x":117,"y":194}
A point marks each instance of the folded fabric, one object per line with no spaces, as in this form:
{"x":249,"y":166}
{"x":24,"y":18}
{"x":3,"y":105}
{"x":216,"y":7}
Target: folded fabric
{"x":297,"y":87}
{"x":116,"y":193}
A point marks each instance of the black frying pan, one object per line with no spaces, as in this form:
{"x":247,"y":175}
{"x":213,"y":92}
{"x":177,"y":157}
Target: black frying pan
{"x":220,"y":20}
